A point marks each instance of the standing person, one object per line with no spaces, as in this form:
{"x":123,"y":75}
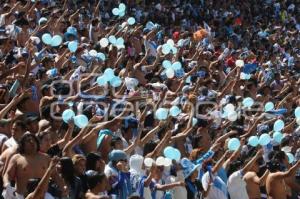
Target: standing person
{"x":193,"y":186}
{"x":118,"y":175}
{"x":97,"y":183}
{"x":17,"y":130}
{"x":236,"y":184}
{"x":26,"y":164}
{"x":275,"y":184}
{"x":72,"y":182}
{"x":253,"y":181}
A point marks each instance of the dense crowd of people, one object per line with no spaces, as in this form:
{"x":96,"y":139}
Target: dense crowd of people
{"x":156,"y":99}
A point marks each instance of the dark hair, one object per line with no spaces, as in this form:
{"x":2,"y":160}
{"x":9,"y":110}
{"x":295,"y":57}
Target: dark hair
{"x":23,"y":140}
{"x":94,"y":178}
{"x":91,"y":161}
{"x":149,"y":147}
{"x":67,"y":170}
{"x":20,"y":124}
{"x":114,"y":140}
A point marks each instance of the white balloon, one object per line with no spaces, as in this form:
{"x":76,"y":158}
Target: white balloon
{"x":104,"y":42}
{"x":229,"y":108}
{"x":160,"y":161}
{"x":239,"y":63}
{"x":232,"y":116}
{"x":93,"y":53}
{"x":170,"y":73}
{"x":171,"y":42}
{"x":298,"y":121}
{"x":148,"y":162}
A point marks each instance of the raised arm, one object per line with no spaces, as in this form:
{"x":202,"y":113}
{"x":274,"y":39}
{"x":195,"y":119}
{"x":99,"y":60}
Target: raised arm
{"x":219,"y":164}
{"x":249,"y":165}
{"x":288,"y":173}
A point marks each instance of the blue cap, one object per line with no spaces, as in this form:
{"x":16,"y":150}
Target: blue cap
{"x":71,"y":31}
{"x":188,"y":167}
{"x":117,"y":155}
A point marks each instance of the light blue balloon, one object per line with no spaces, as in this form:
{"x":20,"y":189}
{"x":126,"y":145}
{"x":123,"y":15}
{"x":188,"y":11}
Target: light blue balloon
{"x":101,"y":81}
{"x":264,"y":139}
{"x":161,"y":114}
{"x":269,"y":106}
{"x":122,"y":14}
{"x":81,"y":121}
{"x":177,"y":155}
{"x":290,"y":157}
{"x":248,"y":102}
{"x":194,"y":121}
{"x":116,"y":11}
{"x":131,"y":21}
{"x":115,"y":82}
{"x":112,"y":39}
{"x":188,"y":80}
{"x":278,"y":125}
{"x":68,"y":115}
{"x":170,"y":73}
{"x":297,"y":112}
{"x":150,"y":25}
{"x":175,"y":111}
{"x":166,"y":48}
{"x":120,"y":41}
{"x":253,"y":141}
{"x":122,"y":7}
{"x":72,"y":45}
{"x":47,"y":39}
{"x":101,"y":56}
{"x":176,"y":65}
{"x":56,"y":40}
{"x":234,"y":144}
{"x":277,"y":136}
{"x":167,"y":64}
{"x":109,"y":74}
{"x":174,"y":50}
{"x":169,"y":152}
{"x":180,"y":42}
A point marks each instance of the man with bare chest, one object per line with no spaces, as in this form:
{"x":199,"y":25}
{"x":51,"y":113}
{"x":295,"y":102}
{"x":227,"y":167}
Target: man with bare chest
{"x":254,"y":182}
{"x":26,"y":164}
{"x":275,"y":184}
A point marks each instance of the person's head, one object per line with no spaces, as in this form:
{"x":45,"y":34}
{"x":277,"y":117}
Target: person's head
{"x":257,"y":165}
{"x":18,"y":129}
{"x":28,"y":144}
{"x":94,"y":162}
{"x":45,"y":140}
{"x":67,"y":169}
{"x":277,"y":76}
{"x":158,"y":172}
{"x":193,"y":177}
{"x":116,"y":143}
{"x":32,"y":124}
{"x":79,"y":163}
{"x":116,"y":156}
{"x":96,"y":181}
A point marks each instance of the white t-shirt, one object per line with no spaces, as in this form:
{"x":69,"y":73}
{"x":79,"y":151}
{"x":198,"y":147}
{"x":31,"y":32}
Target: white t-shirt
{"x":237,"y":186}
{"x":11,"y":142}
{"x":179,"y":192}
{"x":152,"y":45}
{"x":218,"y":190}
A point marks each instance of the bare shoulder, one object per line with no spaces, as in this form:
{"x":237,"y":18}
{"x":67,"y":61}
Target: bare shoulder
{"x":8,"y":152}
{"x":91,"y":196}
{"x":250,"y":175}
{"x":44,"y":156}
